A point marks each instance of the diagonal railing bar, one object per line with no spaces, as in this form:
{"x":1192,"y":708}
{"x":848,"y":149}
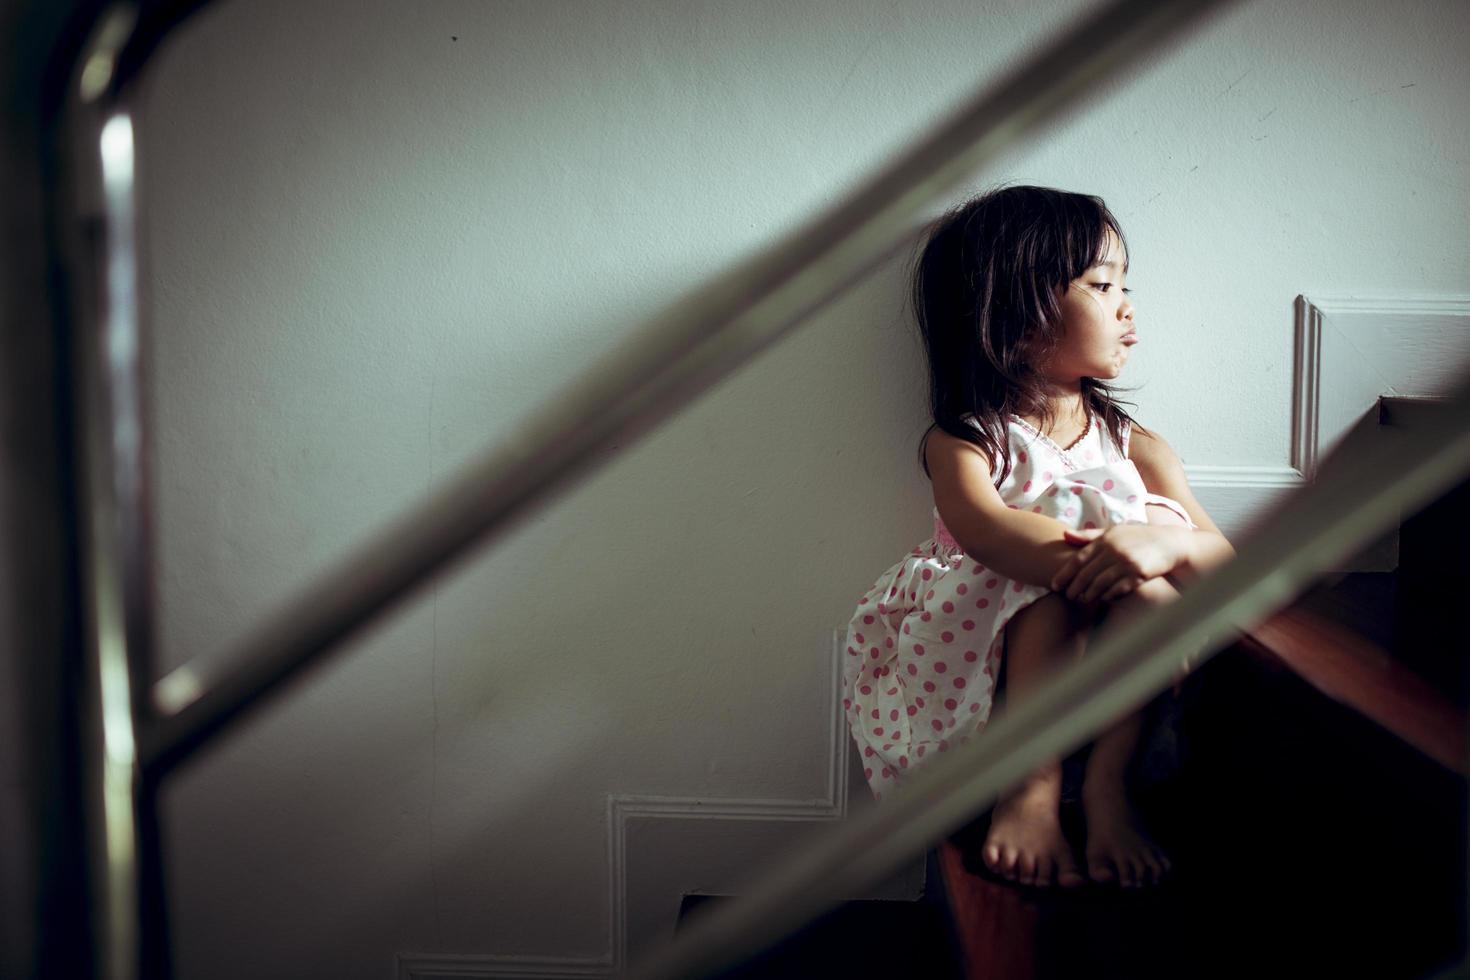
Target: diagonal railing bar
{"x":1318,"y":525}
{"x":662,"y":369}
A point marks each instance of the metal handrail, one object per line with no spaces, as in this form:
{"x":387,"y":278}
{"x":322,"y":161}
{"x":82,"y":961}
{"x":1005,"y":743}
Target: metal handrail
{"x":1314,"y":528}
{"x":97,"y":191}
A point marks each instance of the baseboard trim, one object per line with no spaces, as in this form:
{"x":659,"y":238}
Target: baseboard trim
{"x":1244,"y":477}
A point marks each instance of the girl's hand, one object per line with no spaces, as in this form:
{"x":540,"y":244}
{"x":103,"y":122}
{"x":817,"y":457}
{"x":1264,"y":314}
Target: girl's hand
{"x":1111,"y":563}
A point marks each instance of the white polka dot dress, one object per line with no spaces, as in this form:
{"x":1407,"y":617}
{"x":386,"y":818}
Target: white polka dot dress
{"x":924,"y":646}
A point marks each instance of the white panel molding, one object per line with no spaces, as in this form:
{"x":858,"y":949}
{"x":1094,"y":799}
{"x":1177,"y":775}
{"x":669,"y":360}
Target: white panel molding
{"x":621,"y":808}
{"x":1262,"y":477}
{"x":1368,"y":348}
{"x":1347,"y":353}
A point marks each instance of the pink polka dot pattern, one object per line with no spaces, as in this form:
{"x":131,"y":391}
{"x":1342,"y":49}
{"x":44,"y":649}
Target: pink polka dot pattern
{"x":954,"y":635}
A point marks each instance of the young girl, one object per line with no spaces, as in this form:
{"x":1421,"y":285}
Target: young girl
{"x":1052,"y":510}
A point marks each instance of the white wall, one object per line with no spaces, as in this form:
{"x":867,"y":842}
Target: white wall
{"x":380,"y":233}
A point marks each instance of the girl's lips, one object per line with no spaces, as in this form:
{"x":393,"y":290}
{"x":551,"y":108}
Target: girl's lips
{"x":1130,"y":339}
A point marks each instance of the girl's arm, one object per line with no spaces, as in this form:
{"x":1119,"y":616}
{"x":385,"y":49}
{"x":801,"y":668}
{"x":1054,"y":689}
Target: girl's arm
{"x":1112,"y":563}
{"x":1020,"y":545}
{"x":1163,"y":474}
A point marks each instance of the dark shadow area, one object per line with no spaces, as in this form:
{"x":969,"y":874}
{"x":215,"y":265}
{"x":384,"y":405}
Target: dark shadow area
{"x":1305,"y":840}
{"x":857,"y":940}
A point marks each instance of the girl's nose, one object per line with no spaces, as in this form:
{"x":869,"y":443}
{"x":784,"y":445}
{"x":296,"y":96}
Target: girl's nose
{"x":1125,"y":309}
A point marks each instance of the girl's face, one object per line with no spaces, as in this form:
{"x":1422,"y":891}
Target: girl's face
{"x":1097,"y":323}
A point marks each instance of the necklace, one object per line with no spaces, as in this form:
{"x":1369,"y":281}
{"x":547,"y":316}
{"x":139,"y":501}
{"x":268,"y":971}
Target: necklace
{"x":1076,"y":442}
{"x":1063,"y":452}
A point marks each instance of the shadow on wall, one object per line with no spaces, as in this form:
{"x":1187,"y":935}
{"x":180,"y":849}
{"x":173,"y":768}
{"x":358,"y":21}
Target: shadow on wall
{"x":488,"y":721}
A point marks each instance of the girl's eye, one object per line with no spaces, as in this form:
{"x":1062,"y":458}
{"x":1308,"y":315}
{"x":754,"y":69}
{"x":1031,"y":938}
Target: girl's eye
{"x":1102,"y":287}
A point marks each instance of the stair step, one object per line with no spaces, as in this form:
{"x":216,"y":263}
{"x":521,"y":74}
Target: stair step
{"x":1303,"y":836}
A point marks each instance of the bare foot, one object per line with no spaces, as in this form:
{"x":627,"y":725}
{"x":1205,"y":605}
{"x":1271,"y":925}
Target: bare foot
{"x":1118,"y":851}
{"x":1026,"y":844}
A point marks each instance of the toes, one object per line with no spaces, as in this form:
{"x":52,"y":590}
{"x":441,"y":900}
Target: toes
{"x":1101,"y":870}
{"x":1161,"y":866}
{"x":1001,"y":860}
{"x":1027,"y":870}
{"x":1007,"y":867}
{"x":1069,"y":877}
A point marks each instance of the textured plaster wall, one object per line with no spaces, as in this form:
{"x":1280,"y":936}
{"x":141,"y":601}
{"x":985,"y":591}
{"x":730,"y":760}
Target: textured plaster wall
{"x":380,"y":233}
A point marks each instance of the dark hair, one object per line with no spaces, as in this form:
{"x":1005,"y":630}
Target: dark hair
{"x":987,"y":290}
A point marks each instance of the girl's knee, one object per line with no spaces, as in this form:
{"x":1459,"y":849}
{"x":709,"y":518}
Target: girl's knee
{"x":1154,"y":592}
{"x":1160,"y":515}
{"x":1055,"y":610}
